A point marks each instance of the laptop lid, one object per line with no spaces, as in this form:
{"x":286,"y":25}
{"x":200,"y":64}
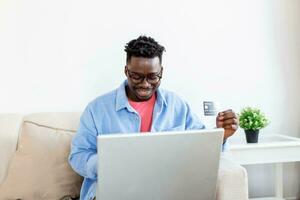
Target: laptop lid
{"x":159,"y":166}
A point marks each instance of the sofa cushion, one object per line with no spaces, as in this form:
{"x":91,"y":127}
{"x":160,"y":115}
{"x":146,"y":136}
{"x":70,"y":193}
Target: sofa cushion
{"x":232,"y":181}
{"x":56,"y":120}
{"x":40,"y":168}
{"x":9,"y":131}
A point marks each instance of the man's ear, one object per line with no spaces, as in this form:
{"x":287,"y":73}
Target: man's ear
{"x":125,"y":70}
{"x":162,"y":69}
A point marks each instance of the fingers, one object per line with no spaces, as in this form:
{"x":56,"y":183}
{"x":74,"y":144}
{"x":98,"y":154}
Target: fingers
{"x":227,"y":114}
{"x":230,"y":121}
{"x":231,"y":126}
{"x":226,"y":111}
{"x":227,"y":123}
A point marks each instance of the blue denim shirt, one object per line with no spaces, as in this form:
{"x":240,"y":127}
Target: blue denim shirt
{"x":111,"y":113}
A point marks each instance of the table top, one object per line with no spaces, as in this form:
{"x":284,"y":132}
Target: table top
{"x":264,"y":141}
{"x":269,"y":149}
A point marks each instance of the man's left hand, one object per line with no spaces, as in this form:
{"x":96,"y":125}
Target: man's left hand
{"x":229,"y":121}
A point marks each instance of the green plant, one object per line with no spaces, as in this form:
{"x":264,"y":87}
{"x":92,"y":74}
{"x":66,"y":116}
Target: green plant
{"x":252,"y":119}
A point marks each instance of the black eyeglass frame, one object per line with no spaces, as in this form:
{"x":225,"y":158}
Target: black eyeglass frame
{"x":142,"y":76}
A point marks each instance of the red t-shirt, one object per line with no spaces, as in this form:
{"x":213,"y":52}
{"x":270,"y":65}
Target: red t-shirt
{"x":145,"y":110}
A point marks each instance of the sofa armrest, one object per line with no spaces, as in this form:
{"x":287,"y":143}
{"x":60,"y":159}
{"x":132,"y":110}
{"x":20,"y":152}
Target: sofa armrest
{"x":9,"y":132}
{"x":232,"y":180}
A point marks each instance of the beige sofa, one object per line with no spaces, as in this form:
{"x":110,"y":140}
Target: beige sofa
{"x":34,"y":150}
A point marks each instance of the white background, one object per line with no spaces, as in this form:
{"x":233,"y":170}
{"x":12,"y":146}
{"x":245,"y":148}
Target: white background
{"x":58,"y":55}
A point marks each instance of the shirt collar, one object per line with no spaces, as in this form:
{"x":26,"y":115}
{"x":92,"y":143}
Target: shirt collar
{"x":122,"y":100}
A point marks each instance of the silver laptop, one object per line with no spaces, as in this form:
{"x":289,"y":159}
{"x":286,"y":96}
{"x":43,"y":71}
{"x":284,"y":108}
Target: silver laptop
{"x":159,"y":166}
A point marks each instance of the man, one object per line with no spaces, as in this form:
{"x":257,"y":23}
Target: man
{"x":138,"y":105}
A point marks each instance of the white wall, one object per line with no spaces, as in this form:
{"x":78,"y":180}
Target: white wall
{"x":58,"y":55}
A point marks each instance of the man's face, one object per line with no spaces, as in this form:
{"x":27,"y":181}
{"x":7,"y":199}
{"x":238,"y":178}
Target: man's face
{"x":143,"y":75}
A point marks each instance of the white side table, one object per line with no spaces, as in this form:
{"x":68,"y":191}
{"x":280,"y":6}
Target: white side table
{"x":276,"y":149}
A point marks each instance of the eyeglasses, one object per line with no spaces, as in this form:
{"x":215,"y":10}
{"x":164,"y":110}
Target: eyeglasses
{"x":136,"y":78}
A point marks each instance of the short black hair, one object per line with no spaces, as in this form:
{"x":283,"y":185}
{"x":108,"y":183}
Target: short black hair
{"x":145,"y":47}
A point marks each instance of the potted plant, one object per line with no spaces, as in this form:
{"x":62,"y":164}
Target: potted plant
{"x":252,"y":120}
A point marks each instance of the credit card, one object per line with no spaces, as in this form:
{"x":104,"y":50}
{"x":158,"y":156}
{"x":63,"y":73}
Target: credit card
{"x":210,"y":108}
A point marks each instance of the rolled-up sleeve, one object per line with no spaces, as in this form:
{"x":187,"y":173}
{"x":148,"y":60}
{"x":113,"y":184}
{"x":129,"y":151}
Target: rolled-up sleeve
{"x":83,"y":156}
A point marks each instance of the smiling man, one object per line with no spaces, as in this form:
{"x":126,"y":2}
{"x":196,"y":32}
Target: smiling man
{"x":138,"y":105}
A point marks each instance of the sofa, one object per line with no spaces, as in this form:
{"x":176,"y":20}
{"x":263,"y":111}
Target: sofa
{"x":34,"y":151}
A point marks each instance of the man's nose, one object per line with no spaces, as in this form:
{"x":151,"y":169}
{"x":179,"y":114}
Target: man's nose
{"x":145,"y":83}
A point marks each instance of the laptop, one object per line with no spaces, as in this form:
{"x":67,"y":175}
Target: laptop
{"x":159,"y":166}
